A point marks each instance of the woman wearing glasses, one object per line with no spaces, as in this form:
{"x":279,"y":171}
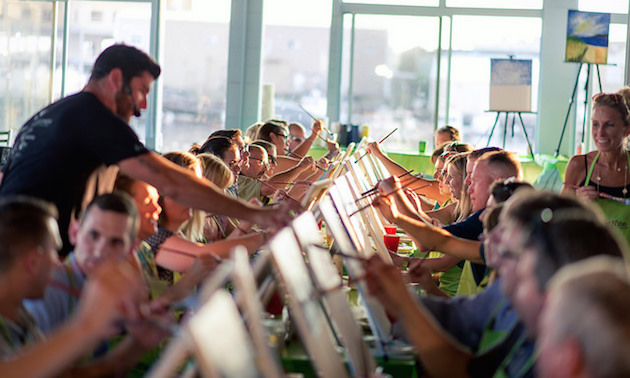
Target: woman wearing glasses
{"x":602,"y":175}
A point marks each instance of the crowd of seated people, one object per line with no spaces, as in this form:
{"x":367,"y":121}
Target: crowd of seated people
{"x":514,"y":281}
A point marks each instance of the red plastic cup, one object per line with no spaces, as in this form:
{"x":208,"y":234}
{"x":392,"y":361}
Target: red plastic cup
{"x":391,"y":242}
{"x":390,"y":229}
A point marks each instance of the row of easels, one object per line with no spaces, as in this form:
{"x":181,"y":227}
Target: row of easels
{"x":227,"y":337}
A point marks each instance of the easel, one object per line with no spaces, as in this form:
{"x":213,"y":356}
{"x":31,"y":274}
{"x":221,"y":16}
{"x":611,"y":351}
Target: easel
{"x":572,"y":100}
{"x":505,"y":124}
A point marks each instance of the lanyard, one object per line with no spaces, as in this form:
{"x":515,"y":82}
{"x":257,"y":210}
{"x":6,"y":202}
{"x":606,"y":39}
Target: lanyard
{"x":590,"y":170}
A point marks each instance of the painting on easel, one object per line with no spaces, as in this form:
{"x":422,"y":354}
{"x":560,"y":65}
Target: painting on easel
{"x":587,"y":37}
{"x":511,"y":85}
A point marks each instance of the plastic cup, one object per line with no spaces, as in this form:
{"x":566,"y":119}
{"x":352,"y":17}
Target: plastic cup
{"x":422,"y":146}
{"x":390,"y":229}
{"x":391,"y":242}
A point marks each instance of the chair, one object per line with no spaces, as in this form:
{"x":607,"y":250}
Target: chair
{"x":5,"y":138}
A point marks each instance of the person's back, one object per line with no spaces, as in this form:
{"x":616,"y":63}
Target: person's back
{"x":57,"y":150}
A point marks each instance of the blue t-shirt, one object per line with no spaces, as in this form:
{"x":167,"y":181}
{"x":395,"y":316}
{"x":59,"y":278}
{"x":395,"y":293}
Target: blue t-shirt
{"x":470,"y":228}
{"x":466,"y":319}
{"x":60,"y":297}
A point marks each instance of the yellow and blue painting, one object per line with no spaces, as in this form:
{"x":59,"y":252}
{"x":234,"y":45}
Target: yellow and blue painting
{"x":587,"y":37}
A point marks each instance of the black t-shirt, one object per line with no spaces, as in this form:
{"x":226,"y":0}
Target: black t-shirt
{"x":56,"y":151}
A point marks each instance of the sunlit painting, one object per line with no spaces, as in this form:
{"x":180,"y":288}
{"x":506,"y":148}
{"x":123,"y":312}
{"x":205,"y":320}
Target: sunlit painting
{"x":587,"y":37}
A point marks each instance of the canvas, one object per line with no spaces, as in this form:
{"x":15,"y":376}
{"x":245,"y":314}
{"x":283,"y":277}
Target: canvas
{"x":587,"y":37}
{"x":511,"y":85}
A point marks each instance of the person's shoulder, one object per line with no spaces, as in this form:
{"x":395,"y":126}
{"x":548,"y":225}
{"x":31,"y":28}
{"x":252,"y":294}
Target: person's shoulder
{"x":577,"y":166}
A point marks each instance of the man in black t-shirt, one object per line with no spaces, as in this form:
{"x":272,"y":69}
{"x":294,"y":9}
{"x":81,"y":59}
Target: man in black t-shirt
{"x":60,"y":148}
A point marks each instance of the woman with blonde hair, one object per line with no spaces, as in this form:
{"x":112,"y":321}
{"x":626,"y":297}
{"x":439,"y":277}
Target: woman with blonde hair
{"x":603,"y":175}
{"x":173,"y":250}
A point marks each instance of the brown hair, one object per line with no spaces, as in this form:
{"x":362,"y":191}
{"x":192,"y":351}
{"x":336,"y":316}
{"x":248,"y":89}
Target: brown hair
{"x":618,"y":101}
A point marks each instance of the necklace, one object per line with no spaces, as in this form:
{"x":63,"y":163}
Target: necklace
{"x":625,"y":182}
{"x":624,"y":191}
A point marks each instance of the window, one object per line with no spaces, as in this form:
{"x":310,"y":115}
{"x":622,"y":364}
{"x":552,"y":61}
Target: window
{"x":295,"y":58}
{"x":604,"y":6}
{"x":194,"y":72}
{"x":25,"y":43}
{"x":120,"y":22}
{"x":393,"y":77}
{"x":476,"y":40}
{"x":508,"y":4}
{"x":429,"y":3}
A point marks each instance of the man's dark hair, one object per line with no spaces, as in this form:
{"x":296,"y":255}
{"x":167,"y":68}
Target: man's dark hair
{"x":131,"y":61}
{"x":24,"y":223}
{"x":452,"y":131}
{"x":215,"y":145}
{"x":271,"y":127}
{"x":117,"y":202}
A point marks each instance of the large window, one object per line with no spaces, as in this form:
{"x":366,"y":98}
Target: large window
{"x":510,"y":4}
{"x":608,"y":6}
{"x":394,"y":75}
{"x":390,"y":82}
{"x":295,"y":58}
{"x":94,"y":26}
{"x":194,"y":75}
{"x":25,"y":63}
{"x":476,"y":41}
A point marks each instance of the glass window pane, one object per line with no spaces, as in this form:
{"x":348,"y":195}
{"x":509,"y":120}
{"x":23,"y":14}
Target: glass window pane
{"x":604,"y":6}
{"x":96,"y":25}
{"x":508,"y":4}
{"x":475,"y":42}
{"x":296,"y":40}
{"x":427,"y":3}
{"x":394,"y":77}
{"x":194,"y":75}
{"x":25,"y":43}
{"x":611,"y":75}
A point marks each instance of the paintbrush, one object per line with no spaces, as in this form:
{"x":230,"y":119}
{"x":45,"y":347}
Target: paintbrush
{"x":378,"y":195}
{"x":404,"y":183}
{"x":374,"y":188}
{"x":316,"y":119}
{"x":271,"y":186}
{"x":381,"y":141}
{"x":302,"y":157}
{"x":625,"y":201}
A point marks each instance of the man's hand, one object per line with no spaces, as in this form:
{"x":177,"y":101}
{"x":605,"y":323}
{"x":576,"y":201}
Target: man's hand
{"x":276,"y":216}
{"x":113,"y":294}
{"x":387,"y":284}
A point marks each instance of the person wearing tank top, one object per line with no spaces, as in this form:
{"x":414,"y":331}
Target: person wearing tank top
{"x":602,"y":175}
